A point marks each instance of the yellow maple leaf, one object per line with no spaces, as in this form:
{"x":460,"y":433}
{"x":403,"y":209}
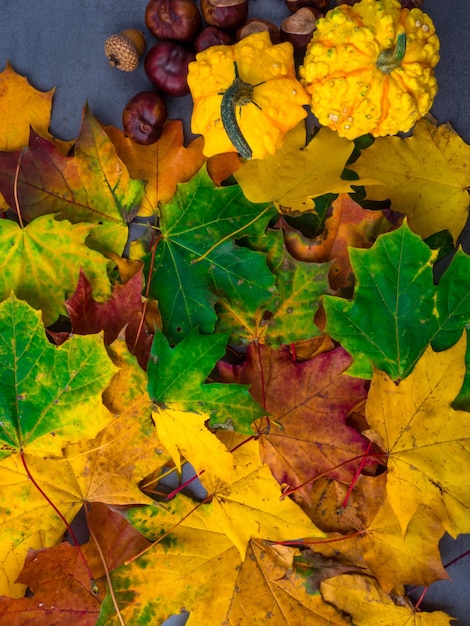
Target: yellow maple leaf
{"x":247,"y":506}
{"x":413,"y":558}
{"x":27,"y":520}
{"x":42,"y":262}
{"x":184,"y":433}
{"x":391,"y":557}
{"x":425,"y":176}
{"x":362,"y":598}
{"x":367,"y":532}
{"x":202,"y":572}
{"x":109,"y":467}
{"x":427,"y":441}
{"x":21,"y":106}
{"x":282,"y":598}
{"x":105,"y":469}
{"x":297,"y":173}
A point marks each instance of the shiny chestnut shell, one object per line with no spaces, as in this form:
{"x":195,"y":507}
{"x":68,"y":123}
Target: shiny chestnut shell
{"x":144,"y":117}
{"x":179,"y":20}
{"x":224,"y":13}
{"x":212,"y":36}
{"x":166,"y":66}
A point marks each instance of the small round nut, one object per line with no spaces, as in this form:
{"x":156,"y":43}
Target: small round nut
{"x":125,"y":49}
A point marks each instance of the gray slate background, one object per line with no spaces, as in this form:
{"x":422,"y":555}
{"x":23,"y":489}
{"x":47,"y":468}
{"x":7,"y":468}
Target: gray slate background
{"x":59,"y":43}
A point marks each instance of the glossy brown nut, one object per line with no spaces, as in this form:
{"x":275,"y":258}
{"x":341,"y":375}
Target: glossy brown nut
{"x":299,"y":27}
{"x":295,"y":5}
{"x":144,"y":117}
{"x":166,"y":66}
{"x":258,"y":25}
{"x":212,"y":36}
{"x":179,"y":20}
{"x":412,"y":4}
{"x":225,"y":13}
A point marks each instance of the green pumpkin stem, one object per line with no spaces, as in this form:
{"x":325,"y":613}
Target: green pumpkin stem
{"x":389,"y":60}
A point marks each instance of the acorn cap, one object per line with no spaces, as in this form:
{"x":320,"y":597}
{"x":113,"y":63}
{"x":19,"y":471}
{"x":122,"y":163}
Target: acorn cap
{"x":125,"y":49}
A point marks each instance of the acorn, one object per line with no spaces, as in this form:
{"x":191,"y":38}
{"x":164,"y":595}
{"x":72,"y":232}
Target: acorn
{"x":125,"y":49}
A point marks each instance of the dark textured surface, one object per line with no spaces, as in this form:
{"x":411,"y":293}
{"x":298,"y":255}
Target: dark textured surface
{"x":59,"y":43}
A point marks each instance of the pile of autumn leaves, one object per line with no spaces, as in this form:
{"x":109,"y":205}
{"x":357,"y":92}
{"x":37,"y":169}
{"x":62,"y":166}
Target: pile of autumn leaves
{"x":329,"y":446}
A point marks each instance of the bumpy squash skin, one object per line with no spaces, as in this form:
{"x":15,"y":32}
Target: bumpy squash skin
{"x":278,"y":98}
{"x":349,"y":92}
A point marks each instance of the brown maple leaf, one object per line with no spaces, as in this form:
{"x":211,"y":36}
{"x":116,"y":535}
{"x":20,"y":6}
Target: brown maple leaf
{"x":370,"y":537}
{"x":348,"y":225}
{"x":62,"y":591}
{"x":118,"y":541}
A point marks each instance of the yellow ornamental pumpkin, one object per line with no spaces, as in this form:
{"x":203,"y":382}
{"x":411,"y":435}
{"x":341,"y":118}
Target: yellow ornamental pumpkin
{"x":369,"y":68}
{"x":246,"y":96}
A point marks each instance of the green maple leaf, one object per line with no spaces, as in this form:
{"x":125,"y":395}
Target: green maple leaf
{"x":42,"y":263}
{"x":197,"y":262}
{"x":453,"y":302}
{"x":291,"y":311}
{"x":46,"y":390}
{"x":453,"y":309}
{"x":391,"y":319}
{"x":176,"y":380}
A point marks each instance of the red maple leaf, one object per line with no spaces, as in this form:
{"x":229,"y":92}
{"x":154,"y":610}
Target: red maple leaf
{"x":124,"y":308}
{"x":308,"y":403}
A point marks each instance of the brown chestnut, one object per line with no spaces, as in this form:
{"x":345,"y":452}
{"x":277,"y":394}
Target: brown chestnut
{"x":295,"y":5}
{"x":225,"y":13}
{"x":298,"y":28}
{"x":173,"y":19}
{"x":144,"y":117}
{"x":411,"y":4}
{"x":257,"y":26}
{"x":212,"y":36}
{"x":166,"y":66}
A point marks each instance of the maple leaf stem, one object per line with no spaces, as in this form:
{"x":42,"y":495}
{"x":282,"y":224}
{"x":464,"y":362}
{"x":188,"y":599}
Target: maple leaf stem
{"x":457,"y":558}
{"x":263,"y":382}
{"x":139,"y":328}
{"x":176,"y":491}
{"x":106,"y":570}
{"x":421,"y":598}
{"x":67,"y":525}
{"x":290,"y":490}
{"x":242,"y":443}
{"x":15,"y":187}
{"x":150,"y":484}
{"x":446,"y":565}
{"x":231,"y":235}
{"x":307,"y":542}
{"x":153,"y":247}
{"x":356,"y":476}
{"x":147,"y":290}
